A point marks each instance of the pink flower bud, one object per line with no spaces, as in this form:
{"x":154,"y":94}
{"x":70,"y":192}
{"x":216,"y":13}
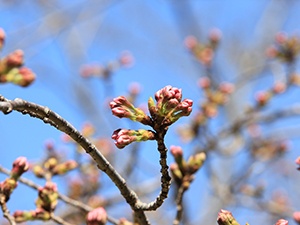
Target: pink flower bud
{"x":215,"y":35}
{"x":190,"y":42}
{"x":126,"y":59}
{"x":2,"y":37}
{"x":176,"y":151}
{"x":15,"y":59}
{"x":271,"y":52}
{"x":296,"y":216}
{"x":125,"y":137}
{"x":262,"y":97}
{"x":27,"y":77}
{"x":204,"y":82}
{"x":281,"y":37}
{"x":279,"y":87}
{"x":226,"y":88}
{"x":282,"y":222}
{"x":226,"y":218}
{"x":20,"y":166}
{"x":97,"y":216}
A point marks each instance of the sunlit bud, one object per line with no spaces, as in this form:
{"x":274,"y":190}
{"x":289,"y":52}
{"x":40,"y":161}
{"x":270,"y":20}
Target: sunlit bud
{"x":7,"y":187}
{"x":167,"y":98}
{"x":20,"y":166}
{"x":97,"y":216}
{"x":226,"y":88}
{"x":295,"y":79}
{"x":281,"y":37}
{"x":195,"y":162}
{"x":20,"y":76}
{"x":23,"y":216}
{"x":262,"y":97}
{"x":124,"y":137}
{"x":50,"y":163}
{"x":279,"y":87}
{"x":2,"y":38}
{"x":15,"y":59}
{"x":64,"y":167}
{"x":296,"y":216}
{"x":184,"y":108}
{"x":210,"y":110}
{"x":282,"y":222}
{"x":226,"y":218}
{"x":47,"y":199}
{"x":134,"y":88}
{"x":126,"y":59}
{"x":177,"y":152}
{"x":176,"y":172}
{"x":38,"y":171}
{"x":190,"y":42}
{"x":204,"y":82}
{"x":205,"y":56}
{"x":122,"y":108}
{"x":41,"y":214}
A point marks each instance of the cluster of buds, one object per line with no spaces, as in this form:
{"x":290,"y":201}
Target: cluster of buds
{"x":11,"y":70}
{"x":52,"y":167}
{"x":47,"y":197}
{"x":105,"y":71}
{"x":214,"y":98}
{"x":285,"y":49}
{"x":204,"y":53}
{"x":282,"y":222}
{"x":267,"y":149}
{"x":20,"y":166}
{"x":225,"y":217}
{"x":168,"y":109}
{"x":37,"y":214}
{"x":183,"y":171}
{"x":97,"y":216}
{"x":263,"y":97}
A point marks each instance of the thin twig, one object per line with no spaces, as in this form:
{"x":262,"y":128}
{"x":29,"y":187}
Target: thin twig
{"x":179,"y":206}
{"x":5,"y":210}
{"x":59,"y":220}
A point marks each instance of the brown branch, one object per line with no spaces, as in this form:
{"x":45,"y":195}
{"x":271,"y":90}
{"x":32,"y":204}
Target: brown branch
{"x":179,"y":206}
{"x":55,"y":120}
{"x":59,"y":220}
{"x":5,"y":210}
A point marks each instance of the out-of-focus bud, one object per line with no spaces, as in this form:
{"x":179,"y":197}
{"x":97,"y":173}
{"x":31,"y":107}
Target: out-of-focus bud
{"x":97,"y":216}
{"x":20,"y":76}
{"x":38,"y":171}
{"x":279,"y":87}
{"x":20,"y":166}
{"x":88,"y":130}
{"x":48,"y":196}
{"x":297,"y":161}
{"x":50,"y":163}
{"x":64,"y":167}
{"x":282,"y":222}
{"x":190,"y":42}
{"x":262,"y":97}
{"x":226,"y":88}
{"x":126,"y":59}
{"x":7,"y":187}
{"x":195,"y":162}
{"x":215,"y":36}
{"x":226,"y":218}
{"x":281,"y":37}
{"x":176,"y":173}
{"x":204,"y":82}
{"x":295,"y":79}
{"x":296,"y":216}
{"x":23,"y":216}
{"x":124,"y":137}
{"x":15,"y":59}
{"x":41,"y":214}
{"x":177,"y":152}
{"x":2,"y":38}
{"x":272,"y":52}
{"x":123,"y":221}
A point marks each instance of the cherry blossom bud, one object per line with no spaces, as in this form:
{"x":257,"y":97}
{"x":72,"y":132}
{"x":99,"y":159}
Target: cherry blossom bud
{"x":20,"y":166}
{"x":281,"y":37}
{"x":124,"y":137}
{"x":262,"y":97}
{"x":282,"y":222}
{"x":195,"y":162}
{"x":38,"y":171}
{"x":97,"y":216}
{"x":177,"y":152}
{"x":226,"y":88}
{"x":296,"y":216}
{"x":7,"y":187}
{"x":122,"y":108}
{"x":279,"y":87}
{"x":215,"y":36}
{"x":2,"y":38}
{"x":190,"y":42}
{"x":23,"y":216}
{"x":226,"y":218}
{"x":176,"y":173}
{"x":204,"y":82}
{"x":126,"y":59}
{"x":65,"y":167}
{"x":271,"y":52}
{"x":15,"y":59}
{"x":41,"y":214}
{"x":48,"y":196}
{"x":88,"y":130}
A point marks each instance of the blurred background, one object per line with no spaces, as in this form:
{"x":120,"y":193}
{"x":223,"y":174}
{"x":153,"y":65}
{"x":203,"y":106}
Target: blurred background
{"x":84,"y":53}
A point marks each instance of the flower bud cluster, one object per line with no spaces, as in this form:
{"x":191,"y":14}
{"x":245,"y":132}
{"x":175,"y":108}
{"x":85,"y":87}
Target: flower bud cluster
{"x":97,"y":216}
{"x":226,"y":218}
{"x":182,"y":170}
{"x":282,"y":222}
{"x":286,"y":49}
{"x":37,"y":214}
{"x":169,"y":107}
{"x":11,"y":70}
{"x":52,"y":167}
{"x":204,"y":52}
{"x":105,"y":71}
{"x":20,"y":166}
{"x":214,"y":98}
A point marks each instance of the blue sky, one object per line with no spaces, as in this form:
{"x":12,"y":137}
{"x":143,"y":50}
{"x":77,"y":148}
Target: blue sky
{"x":58,"y":38}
